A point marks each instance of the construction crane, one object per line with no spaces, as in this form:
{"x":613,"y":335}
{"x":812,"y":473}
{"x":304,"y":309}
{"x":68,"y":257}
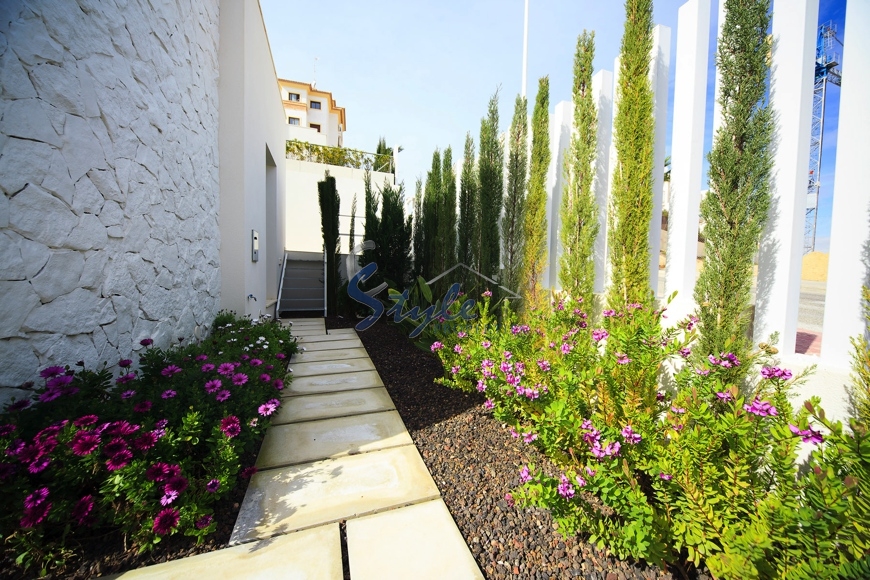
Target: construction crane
{"x":827,"y":71}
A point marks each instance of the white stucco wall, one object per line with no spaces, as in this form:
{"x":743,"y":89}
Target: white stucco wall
{"x":109,"y":173}
{"x":303,"y":211}
{"x":252,"y":143}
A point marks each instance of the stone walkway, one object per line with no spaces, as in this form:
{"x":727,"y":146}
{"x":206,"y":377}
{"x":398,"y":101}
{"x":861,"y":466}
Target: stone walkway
{"x":336,"y":451}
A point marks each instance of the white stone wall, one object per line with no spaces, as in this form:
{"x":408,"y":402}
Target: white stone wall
{"x":108,"y":168}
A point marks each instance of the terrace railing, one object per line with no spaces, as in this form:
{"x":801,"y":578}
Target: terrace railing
{"x":339,"y":156}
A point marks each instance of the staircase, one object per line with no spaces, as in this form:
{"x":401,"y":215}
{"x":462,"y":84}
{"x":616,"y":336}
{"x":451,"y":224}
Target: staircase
{"x":301,"y":285}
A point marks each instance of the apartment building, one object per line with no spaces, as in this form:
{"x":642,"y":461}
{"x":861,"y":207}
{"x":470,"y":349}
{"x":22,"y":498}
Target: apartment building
{"x":311,"y":114}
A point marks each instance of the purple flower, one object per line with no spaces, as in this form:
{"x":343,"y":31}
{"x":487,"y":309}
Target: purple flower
{"x":18,"y":405}
{"x":84,"y":443}
{"x":128,"y":394}
{"x":213,"y":386}
{"x":630,"y":436}
{"x":201,"y":357}
{"x":580,"y":481}
{"x":146,"y":342}
{"x":265,"y":378}
{"x":589,"y":471}
{"x":280,"y":356}
{"x":481,"y":386}
{"x":509,"y":499}
{"x":86,"y":420}
{"x":162,"y":423}
{"x":612,"y":448}
{"x":622,"y":358}
{"x":544,"y":365}
{"x":566,"y":348}
{"x":7,"y":429}
{"x":486,"y":344}
{"x":142,"y":407}
{"x":124,"y":363}
{"x":248,"y":472}
{"x":240,"y":379}
{"x":529,"y":437}
{"x":126,"y":379}
{"x":36,"y":498}
{"x":168,"y":498}
{"x":678,"y":410}
{"x":666,"y":476}
{"x":776,"y":373}
{"x":176,"y":483}
{"x":34,"y":516}
{"x":170,"y":370}
{"x":165,"y":521}
{"x":488,"y":405}
{"x":724,"y":396}
{"x":565,"y":488}
{"x":82,"y":510}
{"x":207,"y":368}
{"x":157,"y":472}
{"x":222,"y":396}
{"x":49,"y":372}
{"x":525,"y":476}
{"x":145,"y":441}
{"x":685,"y":352}
{"x":761,"y":408}
{"x":487,"y":294}
{"x":693,"y":320}
{"x":168,"y":394}
{"x":278,"y":384}
{"x":213,"y":485}
{"x":608,"y":313}
{"x":119,"y":461}
{"x":461,"y":334}
{"x":599,"y":334}
{"x":230,"y":426}
{"x":436,"y":346}
{"x":39,"y":464}
{"x":203,"y":522}
{"x":267,"y":409}
{"x":59,"y":381}
{"x":810,"y":435}
{"x":255,"y":362}
{"x":702,"y":372}
{"x":226,"y":369}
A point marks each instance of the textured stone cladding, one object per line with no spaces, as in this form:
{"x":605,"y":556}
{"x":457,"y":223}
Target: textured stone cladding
{"x":109,"y":173}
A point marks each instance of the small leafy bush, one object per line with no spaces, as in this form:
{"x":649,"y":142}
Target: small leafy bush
{"x":147,"y":454}
{"x":703,"y":472}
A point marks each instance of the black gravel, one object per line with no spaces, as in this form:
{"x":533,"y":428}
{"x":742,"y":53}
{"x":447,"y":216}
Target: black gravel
{"x":475,"y":462}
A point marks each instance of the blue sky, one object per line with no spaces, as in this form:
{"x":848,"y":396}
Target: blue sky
{"x":420,"y":72}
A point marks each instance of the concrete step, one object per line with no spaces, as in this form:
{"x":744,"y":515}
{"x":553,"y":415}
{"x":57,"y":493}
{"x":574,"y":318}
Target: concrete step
{"x":331,"y":383}
{"x":313,"y":554}
{"x":333,"y":344}
{"x":279,"y":501}
{"x":307,"y":369}
{"x":308,"y":338}
{"x":419,"y":541}
{"x":330,"y":438}
{"x":329,"y":355}
{"x":325,"y":406}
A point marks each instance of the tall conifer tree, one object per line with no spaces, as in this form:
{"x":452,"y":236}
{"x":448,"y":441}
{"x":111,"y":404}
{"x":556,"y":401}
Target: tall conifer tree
{"x":736,"y":205}
{"x":329,"y":200}
{"x":370,"y":227}
{"x":579,"y":220}
{"x":491,"y":181}
{"x":431,"y":203}
{"x":447,"y":213}
{"x":418,"y":228}
{"x":468,"y":207}
{"x":394,"y":235}
{"x":535,"y":222}
{"x":631,"y":191}
{"x":513,"y":235}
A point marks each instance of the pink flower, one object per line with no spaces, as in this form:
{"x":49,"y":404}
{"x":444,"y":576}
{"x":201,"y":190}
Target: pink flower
{"x":265,"y":378}
{"x":145,"y":441}
{"x":525,"y":476}
{"x":622,"y":358}
{"x":168,"y":394}
{"x":630,"y":436}
{"x":580,"y":481}
{"x":146,"y":342}
{"x":165,"y":521}
{"x":126,"y":379}
{"x":203,"y":522}
{"x":222,"y":396}
{"x":168,"y":497}
{"x":49,"y":372}
{"x":436,"y":346}
{"x":213,"y":485}
{"x":280,"y":356}
{"x":230,"y":426}
{"x":226,"y":369}
{"x":82,"y":510}
{"x":488,"y":405}
{"x":36,"y":498}
{"x":255,"y":362}
{"x":509,"y":499}
{"x":213,"y":386}
{"x":84,"y":443}
{"x":128,"y":394}
{"x":240,"y":379}
{"x":170,"y":370}
{"x":86,"y":420}
{"x":207,"y":368}
{"x":142,"y":407}
{"x":34,"y":516}
{"x":599,"y":334}
{"x":176,"y":483}
{"x":278,"y":384}
{"x":119,"y":461}
{"x":201,"y":357}
{"x":487,"y":294}
{"x":248,"y":472}
{"x":565,"y":488}
{"x":666,"y":476}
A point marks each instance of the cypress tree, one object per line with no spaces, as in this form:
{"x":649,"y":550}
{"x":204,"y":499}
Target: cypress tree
{"x":631,"y":191}
{"x":447,"y":213}
{"x":394,"y":236}
{"x":370,"y":227}
{"x":418,"y":229}
{"x":491,"y":182}
{"x":579,"y":222}
{"x":327,"y":197}
{"x":513,"y":234}
{"x":535,"y":222}
{"x":468,"y":207}
{"x":431,"y":204}
{"x":736,"y":205}
{"x":351,"y":242}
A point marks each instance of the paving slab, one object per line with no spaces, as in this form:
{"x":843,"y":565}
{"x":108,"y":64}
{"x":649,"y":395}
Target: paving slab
{"x":343,"y":331}
{"x":313,"y":554}
{"x":328,"y":438}
{"x":307,"y":369}
{"x":329,"y":355}
{"x":322,"y":337}
{"x":279,"y":501}
{"x":332,"y":383}
{"x":306,"y":332}
{"x":328,"y":405}
{"x":333,"y":344}
{"x":419,"y":541}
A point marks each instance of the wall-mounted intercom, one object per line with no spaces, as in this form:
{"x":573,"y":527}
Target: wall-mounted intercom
{"x":255,"y":246}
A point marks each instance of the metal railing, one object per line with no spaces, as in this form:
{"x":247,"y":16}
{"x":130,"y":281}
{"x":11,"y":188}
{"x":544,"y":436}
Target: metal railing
{"x":339,"y":156}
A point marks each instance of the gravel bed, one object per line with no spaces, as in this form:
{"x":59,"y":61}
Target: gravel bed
{"x":475,"y":462}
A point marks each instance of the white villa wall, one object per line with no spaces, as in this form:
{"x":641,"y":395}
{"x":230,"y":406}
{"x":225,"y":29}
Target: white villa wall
{"x":109,"y":172}
{"x":303,"y":211}
{"x":252,"y":174}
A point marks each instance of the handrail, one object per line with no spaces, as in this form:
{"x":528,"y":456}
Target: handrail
{"x":340,"y":156}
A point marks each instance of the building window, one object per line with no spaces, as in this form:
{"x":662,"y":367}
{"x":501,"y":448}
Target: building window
{"x":315,"y":104}
{"x":293,"y":96}
{"x":293,"y":120}
{"x":313,"y":126}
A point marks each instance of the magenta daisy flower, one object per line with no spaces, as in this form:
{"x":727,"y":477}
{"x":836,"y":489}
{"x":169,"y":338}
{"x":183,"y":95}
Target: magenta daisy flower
{"x":50,"y":395}
{"x":142,"y":407}
{"x":146,"y":342}
{"x":145,"y":441}
{"x":36,"y":498}
{"x":222,"y":396}
{"x":240,"y":379}
{"x":34,"y":516}
{"x":226,"y":369}
{"x":39,"y":465}
{"x":168,"y":394}
{"x":7,"y":429}
{"x":86,"y":420}
{"x":126,"y":379}
{"x":128,"y":394}
{"x":84,"y":443}
{"x":165,"y":521}
{"x":203,"y":522}
{"x":213,"y":485}
{"x":168,"y":498}
{"x":157,"y":472}
{"x":255,"y":362}
{"x":230,"y":426}
{"x":201,"y":357}
{"x":59,"y":381}
{"x":82,"y":510}
{"x":49,"y":372}
{"x":248,"y":472}
{"x":265,"y":378}
{"x":18,"y":405}
{"x":278,"y":384}
{"x":170,"y":370}
{"x":207,"y":368}
{"x":177,"y":484}
{"x":280,"y":356}
{"x":119,"y":461}
{"x":213,"y":386}
{"x":124,"y":363}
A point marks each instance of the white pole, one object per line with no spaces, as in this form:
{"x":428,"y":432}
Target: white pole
{"x":525,"y":50}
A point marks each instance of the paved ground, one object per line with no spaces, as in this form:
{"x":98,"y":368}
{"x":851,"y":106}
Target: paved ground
{"x":341,"y":491}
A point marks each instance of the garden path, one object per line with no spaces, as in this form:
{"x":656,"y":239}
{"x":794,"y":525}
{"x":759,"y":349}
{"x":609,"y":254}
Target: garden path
{"x":337,"y":452}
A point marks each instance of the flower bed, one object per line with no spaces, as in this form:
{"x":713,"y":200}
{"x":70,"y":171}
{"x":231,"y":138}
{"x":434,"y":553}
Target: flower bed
{"x":147,"y":454}
{"x":704,"y":471}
